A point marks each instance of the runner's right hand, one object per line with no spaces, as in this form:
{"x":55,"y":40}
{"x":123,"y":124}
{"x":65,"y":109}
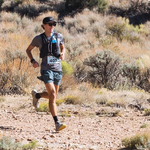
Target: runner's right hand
{"x":35,"y":64}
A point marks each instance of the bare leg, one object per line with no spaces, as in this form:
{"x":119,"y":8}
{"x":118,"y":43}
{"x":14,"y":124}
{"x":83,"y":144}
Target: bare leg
{"x":51,"y":94}
{"x":52,"y":98}
{"x":45,"y":94}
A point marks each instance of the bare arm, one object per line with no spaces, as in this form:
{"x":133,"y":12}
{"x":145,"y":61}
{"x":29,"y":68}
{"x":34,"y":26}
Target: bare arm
{"x":28,"y":51}
{"x":62,"y":54}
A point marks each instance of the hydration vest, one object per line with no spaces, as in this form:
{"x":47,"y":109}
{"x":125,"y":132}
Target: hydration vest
{"x":49,"y":47}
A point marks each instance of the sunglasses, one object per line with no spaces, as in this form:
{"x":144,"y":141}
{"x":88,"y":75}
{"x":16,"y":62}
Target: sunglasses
{"x":52,"y":24}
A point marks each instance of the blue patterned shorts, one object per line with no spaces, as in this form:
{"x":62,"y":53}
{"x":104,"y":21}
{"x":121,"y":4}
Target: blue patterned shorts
{"x":48,"y":76}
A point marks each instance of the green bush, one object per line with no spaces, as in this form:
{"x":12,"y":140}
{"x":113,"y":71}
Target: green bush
{"x":147,"y":112}
{"x":32,"y":145}
{"x":43,"y":107}
{"x":122,"y":30}
{"x":136,"y":76}
{"x":101,"y":5}
{"x":144,"y":125}
{"x":66,"y":68}
{"x":105,"y":69}
{"x":8,"y":143}
{"x":139,"y":141}
{"x":72,"y":100}
{"x":131,"y":71}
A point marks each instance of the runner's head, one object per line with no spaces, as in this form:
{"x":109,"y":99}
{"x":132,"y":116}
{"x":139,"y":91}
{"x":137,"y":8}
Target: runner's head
{"x":49,"y":23}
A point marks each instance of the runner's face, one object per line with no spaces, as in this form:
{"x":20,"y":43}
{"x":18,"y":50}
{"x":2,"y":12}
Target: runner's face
{"x":49,"y":26}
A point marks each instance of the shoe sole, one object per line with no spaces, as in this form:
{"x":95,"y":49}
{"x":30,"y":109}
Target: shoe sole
{"x":62,"y":127}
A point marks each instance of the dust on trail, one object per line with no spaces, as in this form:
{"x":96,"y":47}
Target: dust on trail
{"x":85,"y":128}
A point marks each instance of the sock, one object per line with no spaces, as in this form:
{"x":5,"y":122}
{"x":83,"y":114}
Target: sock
{"x":37,"y":95}
{"x":55,"y":119}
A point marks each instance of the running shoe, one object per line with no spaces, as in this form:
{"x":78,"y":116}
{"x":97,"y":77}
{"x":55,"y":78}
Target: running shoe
{"x":35,"y":100}
{"x":59,"y":126}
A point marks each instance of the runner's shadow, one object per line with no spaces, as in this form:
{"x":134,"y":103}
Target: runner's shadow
{"x":54,"y":132}
{"x":122,"y":149}
{"x":7,"y":128}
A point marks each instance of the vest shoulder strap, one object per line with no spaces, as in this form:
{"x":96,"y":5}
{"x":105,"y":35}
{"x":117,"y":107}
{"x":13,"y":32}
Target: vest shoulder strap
{"x":44,"y":38}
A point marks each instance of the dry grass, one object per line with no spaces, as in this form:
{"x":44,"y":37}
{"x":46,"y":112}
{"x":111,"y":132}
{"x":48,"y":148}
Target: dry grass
{"x":84,"y":34}
{"x":123,"y":98}
{"x":139,"y":141}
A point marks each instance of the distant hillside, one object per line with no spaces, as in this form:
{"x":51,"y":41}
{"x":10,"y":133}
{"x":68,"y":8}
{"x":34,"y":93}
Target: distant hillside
{"x":137,"y":11}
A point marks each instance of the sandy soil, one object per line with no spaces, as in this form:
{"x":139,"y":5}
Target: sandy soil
{"x":88,"y":127}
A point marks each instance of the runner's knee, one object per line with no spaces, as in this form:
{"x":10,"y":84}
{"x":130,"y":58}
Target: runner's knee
{"x":52,"y":96}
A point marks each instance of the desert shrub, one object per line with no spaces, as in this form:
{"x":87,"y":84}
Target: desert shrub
{"x":31,"y":10}
{"x":122,"y":30}
{"x":60,"y":7}
{"x":136,"y":11}
{"x":60,"y":101}
{"x":70,"y":99}
{"x":43,"y":107}
{"x":80,"y":72}
{"x":10,"y":17}
{"x":9,"y":143}
{"x":101,"y":5}
{"x":13,"y":82}
{"x":13,"y":78}
{"x":144,"y":125}
{"x":108,"y":112}
{"x":147,"y":112}
{"x":1,"y":2}
{"x":25,"y":22}
{"x":104,"y":69}
{"x":131,"y":71}
{"x":139,"y":141}
{"x":73,"y":4}
{"x":31,"y":145}
{"x":65,"y":114}
{"x":144,"y":80}
{"x":136,"y":76}
{"x":27,"y":10}
{"x":9,"y":5}
{"x":66,"y":68}
{"x":80,"y":4}
{"x":68,"y":81}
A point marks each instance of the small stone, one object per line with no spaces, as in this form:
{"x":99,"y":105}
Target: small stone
{"x":79,"y":132}
{"x":52,"y":136}
{"x":29,"y":139}
{"x":45,"y":137}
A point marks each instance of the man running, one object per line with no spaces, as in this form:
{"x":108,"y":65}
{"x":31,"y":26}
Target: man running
{"x":52,"y":51}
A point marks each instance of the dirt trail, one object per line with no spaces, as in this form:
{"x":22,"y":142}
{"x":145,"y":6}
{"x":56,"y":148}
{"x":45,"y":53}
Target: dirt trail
{"x":85,"y":128}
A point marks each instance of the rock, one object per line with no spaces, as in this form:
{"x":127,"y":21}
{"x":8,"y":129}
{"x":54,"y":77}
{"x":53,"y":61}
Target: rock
{"x":52,"y":136}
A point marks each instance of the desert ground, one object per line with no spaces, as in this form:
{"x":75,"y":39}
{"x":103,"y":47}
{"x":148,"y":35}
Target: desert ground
{"x":88,"y":127}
